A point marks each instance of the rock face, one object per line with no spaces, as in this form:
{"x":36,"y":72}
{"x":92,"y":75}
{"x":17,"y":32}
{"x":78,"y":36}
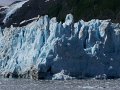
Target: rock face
{"x":28,"y":9}
{"x":81,"y":9}
{"x":81,"y":49}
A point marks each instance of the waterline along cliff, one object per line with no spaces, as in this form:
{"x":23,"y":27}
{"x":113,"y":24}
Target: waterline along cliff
{"x":47,"y":49}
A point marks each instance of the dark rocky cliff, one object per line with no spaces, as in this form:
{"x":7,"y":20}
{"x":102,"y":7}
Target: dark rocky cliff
{"x":81,"y":9}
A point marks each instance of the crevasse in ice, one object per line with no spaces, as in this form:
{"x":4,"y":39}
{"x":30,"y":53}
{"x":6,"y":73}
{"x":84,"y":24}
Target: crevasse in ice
{"x":80,"y":49}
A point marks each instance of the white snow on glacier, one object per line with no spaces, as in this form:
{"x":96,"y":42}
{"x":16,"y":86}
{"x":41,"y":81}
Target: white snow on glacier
{"x":80,"y":49}
{"x":12,"y":9}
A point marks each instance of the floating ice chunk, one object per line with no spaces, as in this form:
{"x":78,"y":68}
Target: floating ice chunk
{"x":61,"y":76}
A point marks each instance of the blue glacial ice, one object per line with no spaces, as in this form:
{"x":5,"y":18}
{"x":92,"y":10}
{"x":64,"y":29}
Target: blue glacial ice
{"x":48,"y":47}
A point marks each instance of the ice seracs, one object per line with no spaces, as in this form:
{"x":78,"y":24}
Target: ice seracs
{"x":82,"y":49}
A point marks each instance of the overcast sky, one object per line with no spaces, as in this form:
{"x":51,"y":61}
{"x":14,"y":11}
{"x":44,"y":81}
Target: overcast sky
{"x":7,"y":2}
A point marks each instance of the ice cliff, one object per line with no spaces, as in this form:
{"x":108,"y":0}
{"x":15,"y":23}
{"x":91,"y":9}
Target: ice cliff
{"x":45,"y":48}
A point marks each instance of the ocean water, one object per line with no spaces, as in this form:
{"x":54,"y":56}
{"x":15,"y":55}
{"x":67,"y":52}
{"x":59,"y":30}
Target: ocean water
{"x":91,"y":84}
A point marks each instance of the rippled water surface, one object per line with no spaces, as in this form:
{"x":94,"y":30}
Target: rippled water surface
{"x":25,"y":84}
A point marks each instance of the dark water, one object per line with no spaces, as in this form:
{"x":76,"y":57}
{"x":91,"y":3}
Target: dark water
{"x":24,"y":84}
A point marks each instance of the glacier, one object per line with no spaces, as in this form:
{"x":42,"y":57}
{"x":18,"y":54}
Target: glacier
{"x":47,"y":49}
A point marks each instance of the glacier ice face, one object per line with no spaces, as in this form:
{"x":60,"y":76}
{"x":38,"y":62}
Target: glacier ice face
{"x":81,"y":49}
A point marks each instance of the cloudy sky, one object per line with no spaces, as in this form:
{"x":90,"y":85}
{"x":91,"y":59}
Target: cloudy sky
{"x":7,"y":2}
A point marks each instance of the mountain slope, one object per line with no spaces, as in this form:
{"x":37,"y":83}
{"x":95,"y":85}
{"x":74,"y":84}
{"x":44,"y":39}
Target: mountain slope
{"x":81,"y":9}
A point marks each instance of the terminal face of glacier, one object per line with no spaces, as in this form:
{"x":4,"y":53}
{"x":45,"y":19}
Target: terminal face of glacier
{"x":80,"y":49}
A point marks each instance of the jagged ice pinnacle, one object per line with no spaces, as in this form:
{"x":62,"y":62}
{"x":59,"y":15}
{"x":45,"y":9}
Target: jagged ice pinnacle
{"x":79,"y":49}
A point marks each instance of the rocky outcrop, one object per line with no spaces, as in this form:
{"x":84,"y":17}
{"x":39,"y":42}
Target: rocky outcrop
{"x":81,"y":9}
{"x":81,"y":49}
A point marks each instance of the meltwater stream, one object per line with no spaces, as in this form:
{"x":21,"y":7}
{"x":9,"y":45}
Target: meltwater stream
{"x":91,"y":84}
